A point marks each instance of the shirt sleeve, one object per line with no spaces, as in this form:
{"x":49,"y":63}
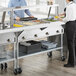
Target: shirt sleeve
{"x":64,"y":20}
{"x":26,"y":10}
{"x":69,"y":14}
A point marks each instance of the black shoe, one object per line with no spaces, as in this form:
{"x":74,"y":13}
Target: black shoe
{"x":68,"y":65}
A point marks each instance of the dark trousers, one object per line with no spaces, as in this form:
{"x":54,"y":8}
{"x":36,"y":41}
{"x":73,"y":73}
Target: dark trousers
{"x":70,"y":30}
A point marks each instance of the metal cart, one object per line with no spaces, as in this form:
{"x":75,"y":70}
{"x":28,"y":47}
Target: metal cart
{"x":41,"y":34}
{"x":16,"y":35}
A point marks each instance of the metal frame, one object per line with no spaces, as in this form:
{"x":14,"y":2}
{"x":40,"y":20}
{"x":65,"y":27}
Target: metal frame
{"x":24,"y":55}
{"x":17,"y":32}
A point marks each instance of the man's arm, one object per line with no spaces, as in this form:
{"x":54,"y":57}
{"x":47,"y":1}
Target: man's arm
{"x":26,"y":10}
{"x":69,"y":15}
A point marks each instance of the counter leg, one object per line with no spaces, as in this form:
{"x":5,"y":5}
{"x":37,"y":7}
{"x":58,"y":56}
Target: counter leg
{"x":17,"y":69}
{"x":62,"y":55}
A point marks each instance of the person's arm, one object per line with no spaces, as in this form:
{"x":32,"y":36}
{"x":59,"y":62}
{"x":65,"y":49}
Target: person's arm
{"x":64,"y":19}
{"x":26,"y":10}
{"x":63,"y":14}
{"x":60,"y":15}
{"x":69,"y":14}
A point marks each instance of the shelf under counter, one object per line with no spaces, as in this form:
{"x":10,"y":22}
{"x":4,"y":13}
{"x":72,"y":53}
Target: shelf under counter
{"x":23,"y":55}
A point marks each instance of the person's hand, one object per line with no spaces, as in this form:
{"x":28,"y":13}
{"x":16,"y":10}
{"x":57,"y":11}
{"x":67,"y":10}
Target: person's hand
{"x":17,"y":18}
{"x":60,"y":15}
{"x":32,"y":16}
{"x":60,"y":19}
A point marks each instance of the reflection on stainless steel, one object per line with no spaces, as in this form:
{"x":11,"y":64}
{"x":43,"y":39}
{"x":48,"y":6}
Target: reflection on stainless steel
{"x":33,"y":22}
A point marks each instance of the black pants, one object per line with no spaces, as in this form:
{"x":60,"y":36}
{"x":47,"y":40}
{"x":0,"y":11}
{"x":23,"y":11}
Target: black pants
{"x":70,"y":30}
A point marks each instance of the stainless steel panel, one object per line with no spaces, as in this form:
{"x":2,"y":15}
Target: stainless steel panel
{"x":7,"y":38}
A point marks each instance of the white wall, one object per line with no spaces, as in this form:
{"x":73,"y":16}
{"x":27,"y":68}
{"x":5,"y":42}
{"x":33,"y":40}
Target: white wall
{"x":61,"y":5}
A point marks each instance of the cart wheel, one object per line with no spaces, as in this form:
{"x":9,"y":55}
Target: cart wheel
{"x":19,"y":70}
{"x":5,"y":66}
{"x":49,"y":54}
{"x":1,"y":66}
{"x":15,"y":72}
{"x":63,"y":58}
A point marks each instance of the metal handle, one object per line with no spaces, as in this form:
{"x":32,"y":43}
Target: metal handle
{"x":57,"y":31}
{"x":35,"y":35}
{"x":47,"y":33}
{"x":23,"y":37}
{"x":8,"y":40}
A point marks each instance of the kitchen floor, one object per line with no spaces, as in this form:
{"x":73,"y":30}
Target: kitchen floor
{"x":41,"y":65}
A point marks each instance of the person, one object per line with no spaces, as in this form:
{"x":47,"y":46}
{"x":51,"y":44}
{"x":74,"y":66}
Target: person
{"x":70,"y":29}
{"x":19,"y":13}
